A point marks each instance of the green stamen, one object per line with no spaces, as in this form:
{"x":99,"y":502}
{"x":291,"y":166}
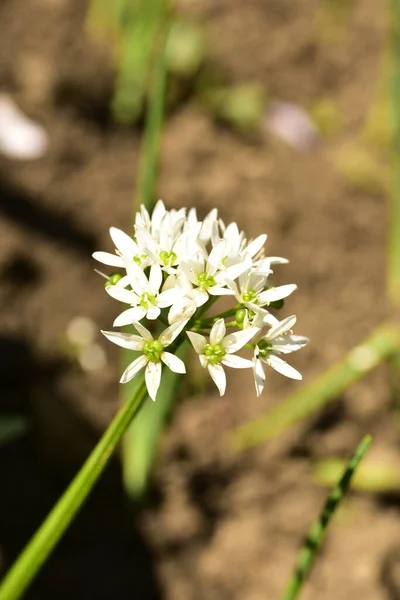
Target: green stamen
{"x":249,"y":296}
{"x":264,"y":348}
{"x":139,"y":258}
{"x":215,"y":353}
{"x":205,"y":281}
{"x":168,"y":258}
{"x":147,"y":300}
{"x":153,"y":350}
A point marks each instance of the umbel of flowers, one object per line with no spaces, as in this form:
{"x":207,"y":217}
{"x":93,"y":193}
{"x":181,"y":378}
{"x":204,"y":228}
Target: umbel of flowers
{"x":171,"y":270}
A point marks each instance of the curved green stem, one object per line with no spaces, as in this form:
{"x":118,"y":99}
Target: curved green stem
{"x":45,"y":539}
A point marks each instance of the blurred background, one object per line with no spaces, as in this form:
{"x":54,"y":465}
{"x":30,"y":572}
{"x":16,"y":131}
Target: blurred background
{"x":276,"y":115}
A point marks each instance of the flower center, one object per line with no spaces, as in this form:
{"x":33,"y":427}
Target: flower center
{"x":249,"y":295}
{"x":168,"y":258}
{"x":139,"y":258}
{"x":147,"y":300}
{"x":205,"y":281}
{"x":264,"y":348}
{"x":215,"y":353}
{"x":153,"y":350}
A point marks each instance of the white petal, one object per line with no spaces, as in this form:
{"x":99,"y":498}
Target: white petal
{"x":214,"y":262}
{"x":125,"y":340}
{"x":198,"y":341}
{"x":137,"y":278}
{"x":255,"y":246}
{"x":276,"y":293}
{"x":192,"y":269}
{"x":218,"y":375}
{"x":121,"y":294}
{"x":282,"y":367}
{"x":206,"y":227}
{"x":123,"y":282}
{"x":181,"y":310}
{"x":282,"y":328}
{"x":234,"y":341}
{"x":173,"y":362}
{"x":259,"y":376}
{"x":264,"y":265}
{"x":157,"y":215}
{"x":236,"y":362}
{"x":129,"y":316}
{"x":172,"y":332}
{"x":155,"y":279}
{"x":234,"y":271}
{"x":232,"y":234}
{"x":123,"y":242}
{"x":232,"y":286}
{"x":133,"y":369}
{"x":200,"y":297}
{"x":153,"y":313}
{"x":108,"y":259}
{"x":147,"y":242}
{"x":145,"y":333}
{"x":217,"y":332}
{"x":153,"y":378}
{"x":289,"y":343}
{"x":168,"y":298}
{"x":220,"y":291}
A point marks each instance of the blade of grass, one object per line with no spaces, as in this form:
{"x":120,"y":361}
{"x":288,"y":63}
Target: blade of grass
{"x":381,"y":344}
{"x":46,"y":537}
{"x":316,"y":534}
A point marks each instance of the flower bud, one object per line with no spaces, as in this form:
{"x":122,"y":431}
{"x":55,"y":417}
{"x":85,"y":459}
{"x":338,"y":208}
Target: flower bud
{"x":277,"y":304}
{"x":113,"y":279}
{"x":240,"y":317}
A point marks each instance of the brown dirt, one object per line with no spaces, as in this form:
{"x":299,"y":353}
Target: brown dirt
{"x":218,"y":525}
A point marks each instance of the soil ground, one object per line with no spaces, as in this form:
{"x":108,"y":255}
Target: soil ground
{"x":217,"y":525}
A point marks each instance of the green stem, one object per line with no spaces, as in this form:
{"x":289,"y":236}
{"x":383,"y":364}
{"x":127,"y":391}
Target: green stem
{"x":211,"y":320}
{"x":150,"y":150}
{"x":45,"y":539}
{"x":316,"y":534}
{"x":394,"y":198}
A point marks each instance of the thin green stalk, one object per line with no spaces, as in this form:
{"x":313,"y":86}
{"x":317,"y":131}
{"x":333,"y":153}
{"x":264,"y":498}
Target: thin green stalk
{"x":394,"y":200}
{"x":316,"y":534}
{"x":150,"y":150}
{"x":45,"y":539}
{"x":380,"y":345}
{"x":139,"y":445}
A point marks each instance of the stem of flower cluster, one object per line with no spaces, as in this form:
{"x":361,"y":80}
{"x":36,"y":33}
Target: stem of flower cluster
{"x":45,"y":539}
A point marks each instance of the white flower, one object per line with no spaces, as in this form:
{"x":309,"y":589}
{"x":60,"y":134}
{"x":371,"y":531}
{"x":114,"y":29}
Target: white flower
{"x":144,"y":297}
{"x":207,"y":225}
{"x":268,"y":346}
{"x":219,"y":351}
{"x":236,"y":242}
{"x":127,"y":250}
{"x":251,"y":291}
{"x":153,"y":353}
{"x":209,"y":274}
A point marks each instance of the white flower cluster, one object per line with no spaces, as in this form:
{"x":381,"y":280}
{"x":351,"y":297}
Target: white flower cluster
{"x":173,"y":269}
